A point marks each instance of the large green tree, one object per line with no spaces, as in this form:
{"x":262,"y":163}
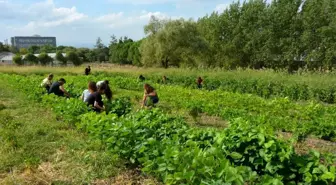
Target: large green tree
{"x":31,"y":58}
{"x":101,"y":51}
{"x":45,"y":59}
{"x":61,"y":58}
{"x":318,"y":37}
{"x":173,"y":43}
{"x":74,"y":58}
{"x":47,"y":49}
{"x":34,"y":49}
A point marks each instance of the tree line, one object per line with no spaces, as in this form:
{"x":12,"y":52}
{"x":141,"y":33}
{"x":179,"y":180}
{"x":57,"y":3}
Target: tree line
{"x":288,"y":34}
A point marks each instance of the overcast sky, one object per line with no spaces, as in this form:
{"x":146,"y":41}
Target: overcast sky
{"x":80,"y":22}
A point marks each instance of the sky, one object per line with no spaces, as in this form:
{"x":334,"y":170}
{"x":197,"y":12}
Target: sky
{"x":80,"y":22}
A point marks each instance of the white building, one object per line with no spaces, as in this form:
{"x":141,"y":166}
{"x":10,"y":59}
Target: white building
{"x":7,"y":58}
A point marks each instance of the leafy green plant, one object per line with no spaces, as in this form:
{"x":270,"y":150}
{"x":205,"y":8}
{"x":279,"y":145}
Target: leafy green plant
{"x":165,"y":146}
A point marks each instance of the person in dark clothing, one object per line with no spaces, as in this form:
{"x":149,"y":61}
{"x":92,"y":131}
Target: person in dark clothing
{"x":91,"y":89}
{"x":199,"y":82}
{"x":87,"y":70}
{"x":95,"y":99}
{"x":58,"y":89}
{"x":141,"y":78}
{"x":150,"y":96}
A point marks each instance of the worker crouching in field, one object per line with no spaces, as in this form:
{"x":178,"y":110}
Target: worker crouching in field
{"x":95,"y":99}
{"x":87,"y":92}
{"x":47,"y":82}
{"x":108,"y":91}
{"x":150,"y":96}
{"x":58,"y":89}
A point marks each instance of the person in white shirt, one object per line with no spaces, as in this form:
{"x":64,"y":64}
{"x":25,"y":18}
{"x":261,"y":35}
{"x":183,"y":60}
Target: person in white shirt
{"x":47,"y":82}
{"x":87,"y":92}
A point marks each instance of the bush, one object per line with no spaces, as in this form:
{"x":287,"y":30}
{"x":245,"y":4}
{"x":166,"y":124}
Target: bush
{"x":73,"y":57}
{"x":44,"y":58}
{"x":17,"y":59}
{"x":61,"y":58}
{"x":31,"y":58}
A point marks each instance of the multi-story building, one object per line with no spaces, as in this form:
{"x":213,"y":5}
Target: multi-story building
{"x":25,"y":42}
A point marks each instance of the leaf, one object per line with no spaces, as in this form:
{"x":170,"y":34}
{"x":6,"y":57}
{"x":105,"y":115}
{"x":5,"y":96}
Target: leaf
{"x":328,"y":176}
{"x":162,"y":167}
{"x":269,"y":144}
{"x":189,"y":175}
{"x":236,"y":155}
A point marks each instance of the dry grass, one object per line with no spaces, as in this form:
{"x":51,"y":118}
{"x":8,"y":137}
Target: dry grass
{"x":311,"y":143}
{"x":207,"y":121}
{"x":130,"y":177}
{"x":47,"y":174}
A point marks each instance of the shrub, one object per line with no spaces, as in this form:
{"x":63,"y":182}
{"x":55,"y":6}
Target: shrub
{"x":17,"y":59}
{"x":44,"y":58}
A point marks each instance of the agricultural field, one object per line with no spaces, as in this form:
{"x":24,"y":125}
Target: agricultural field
{"x":243,"y":127}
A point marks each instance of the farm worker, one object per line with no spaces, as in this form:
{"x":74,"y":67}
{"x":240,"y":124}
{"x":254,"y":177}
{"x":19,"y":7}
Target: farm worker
{"x":150,"y":97}
{"x":58,"y":89}
{"x":141,"y":78}
{"x":47,"y":82}
{"x":108,"y":91}
{"x":199,"y":82}
{"x":87,"y":70}
{"x":91,"y":89}
{"x":95,"y":99}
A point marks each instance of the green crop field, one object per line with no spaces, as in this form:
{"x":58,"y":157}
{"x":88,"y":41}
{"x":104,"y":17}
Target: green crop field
{"x":243,"y":127}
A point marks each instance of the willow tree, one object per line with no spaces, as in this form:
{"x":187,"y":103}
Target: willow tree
{"x":172,"y":43}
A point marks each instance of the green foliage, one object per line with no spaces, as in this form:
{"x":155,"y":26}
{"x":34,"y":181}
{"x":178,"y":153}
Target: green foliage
{"x":34,"y":49}
{"x":134,"y":55}
{"x":91,"y":56}
{"x":4,"y":48}
{"x":45,"y":59}
{"x":179,"y":154}
{"x":120,"y":106}
{"x":82,"y":53}
{"x":23,"y":51}
{"x":124,"y":51}
{"x":17,"y":59}
{"x":101,"y":52}
{"x":72,"y":56}
{"x":31,"y":58}
{"x":61,"y":58}
{"x":47,"y":49}
{"x":256,"y":34}
{"x":173,"y":43}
